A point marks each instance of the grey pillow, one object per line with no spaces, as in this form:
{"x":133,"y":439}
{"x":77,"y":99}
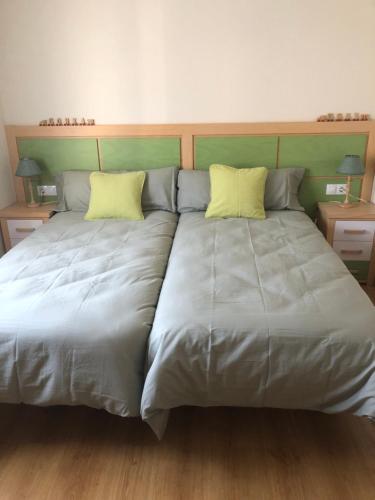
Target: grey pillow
{"x":159,"y":190}
{"x":281,"y":190}
{"x":61,"y":206}
{"x":73,"y":190}
{"x":193,"y":194}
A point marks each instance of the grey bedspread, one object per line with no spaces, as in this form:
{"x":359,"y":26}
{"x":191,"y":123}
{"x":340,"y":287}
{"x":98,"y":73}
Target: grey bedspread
{"x":259,"y":313}
{"x":77,"y":301}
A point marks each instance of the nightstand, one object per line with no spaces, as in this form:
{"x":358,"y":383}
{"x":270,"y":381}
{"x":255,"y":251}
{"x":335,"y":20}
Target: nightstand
{"x":351,"y":232}
{"x":18,"y":221}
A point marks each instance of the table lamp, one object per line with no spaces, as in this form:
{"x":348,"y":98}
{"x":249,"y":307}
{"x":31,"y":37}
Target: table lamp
{"x":351,"y":165}
{"x":28,"y":169}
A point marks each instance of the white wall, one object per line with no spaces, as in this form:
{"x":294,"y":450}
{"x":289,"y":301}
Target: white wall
{"x":7,"y":195}
{"x":132,"y":61}
{"x":164,"y":61}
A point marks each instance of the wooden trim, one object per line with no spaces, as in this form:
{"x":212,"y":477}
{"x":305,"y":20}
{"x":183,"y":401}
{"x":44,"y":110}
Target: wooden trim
{"x":344,"y":251}
{"x":330,"y":230}
{"x":371,"y":272}
{"x":5,"y":233}
{"x":201,"y":129}
{"x":330,"y":177}
{"x":25,"y":229}
{"x":368,"y":178}
{"x":99,"y":151}
{"x":277,"y":153}
{"x":334,"y":211}
{"x":187,"y":151}
{"x":354,"y":231}
{"x":187,"y":134}
{"x":21,"y":211}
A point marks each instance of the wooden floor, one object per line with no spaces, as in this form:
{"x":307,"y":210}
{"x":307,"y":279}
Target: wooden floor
{"x":219,"y":454}
{"x":206,"y":454}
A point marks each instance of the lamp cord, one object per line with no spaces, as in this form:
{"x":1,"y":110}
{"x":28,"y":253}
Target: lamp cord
{"x":360,"y":199}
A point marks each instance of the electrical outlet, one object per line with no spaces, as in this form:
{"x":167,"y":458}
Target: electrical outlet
{"x":335,"y":189}
{"x":331,"y":189}
{"x":47,"y":191}
{"x":340,"y":188}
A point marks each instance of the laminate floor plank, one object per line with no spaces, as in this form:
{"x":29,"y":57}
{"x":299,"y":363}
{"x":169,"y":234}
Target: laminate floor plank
{"x":207,"y":454}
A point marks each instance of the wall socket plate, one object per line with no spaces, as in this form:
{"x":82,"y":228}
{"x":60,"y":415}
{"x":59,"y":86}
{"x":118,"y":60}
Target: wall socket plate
{"x":341,"y":188}
{"x":335,"y":189}
{"x":47,"y":191}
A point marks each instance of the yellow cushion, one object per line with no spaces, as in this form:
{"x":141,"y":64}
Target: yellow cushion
{"x":116,"y":196}
{"x":237,"y":192}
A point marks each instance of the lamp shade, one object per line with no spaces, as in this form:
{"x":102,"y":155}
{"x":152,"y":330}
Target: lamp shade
{"x":27,"y":168}
{"x":351,"y":165}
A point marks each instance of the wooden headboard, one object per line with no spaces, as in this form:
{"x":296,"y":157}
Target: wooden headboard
{"x":317,"y":146}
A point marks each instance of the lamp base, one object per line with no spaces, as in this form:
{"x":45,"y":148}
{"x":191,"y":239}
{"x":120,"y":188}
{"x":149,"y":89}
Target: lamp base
{"x":348,"y":205}
{"x":31,"y":200}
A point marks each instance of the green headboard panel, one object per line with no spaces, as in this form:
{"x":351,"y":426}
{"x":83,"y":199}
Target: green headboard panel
{"x":140,"y":153}
{"x":313,"y":190}
{"x":56,"y":155}
{"x":237,"y":151}
{"x":319,"y":154}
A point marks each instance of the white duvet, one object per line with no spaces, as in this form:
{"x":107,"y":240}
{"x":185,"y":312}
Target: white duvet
{"x":259,"y":313}
{"x":77,"y":301}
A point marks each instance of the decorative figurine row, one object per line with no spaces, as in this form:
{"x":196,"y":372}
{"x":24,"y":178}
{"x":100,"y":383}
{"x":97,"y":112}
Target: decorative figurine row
{"x":347,"y":117}
{"x":66,"y":123}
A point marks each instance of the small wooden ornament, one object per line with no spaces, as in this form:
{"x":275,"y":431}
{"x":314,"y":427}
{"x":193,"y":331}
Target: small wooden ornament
{"x":68,"y":122}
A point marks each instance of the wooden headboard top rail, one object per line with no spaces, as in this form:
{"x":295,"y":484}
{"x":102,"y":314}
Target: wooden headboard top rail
{"x":187,"y":134}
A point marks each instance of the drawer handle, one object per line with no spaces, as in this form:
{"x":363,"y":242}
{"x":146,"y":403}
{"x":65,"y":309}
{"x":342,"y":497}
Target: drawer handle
{"x":351,"y":252}
{"x":354,"y":231}
{"x":25,"y":229}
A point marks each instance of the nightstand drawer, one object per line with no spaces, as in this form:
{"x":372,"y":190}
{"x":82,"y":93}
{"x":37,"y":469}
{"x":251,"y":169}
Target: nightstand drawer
{"x":19,"y":229}
{"x":354,"y":230}
{"x":352,"y":250}
{"x":15,"y":241}
{"x":359,"y":269}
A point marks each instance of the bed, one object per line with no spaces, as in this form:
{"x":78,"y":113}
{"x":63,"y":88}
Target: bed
{"x":262,"y":314}
{"x":77,"y":301}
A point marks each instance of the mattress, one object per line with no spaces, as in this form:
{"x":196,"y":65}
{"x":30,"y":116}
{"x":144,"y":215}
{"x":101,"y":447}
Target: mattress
{"x":262,"y":314}
{"x":77,"y":301}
